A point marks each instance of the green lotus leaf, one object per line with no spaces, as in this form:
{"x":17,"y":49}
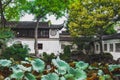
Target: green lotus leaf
{"x":113,"y":66}
{"x":38,"y":65}
{"x":29,"y":76}
{"x":62,"y":78}
{"x":92,"y":67}
{"x":17,"y":74}
{"x":24,"y":68}
{"x":101,"y":78}
{"x":5,"y":63}
{"x":62,"y":66}
{"x":50,"y":76}
{"x":107,"y":77}
{"x":72,"y":71}
{"x":100,"y":72}
{"x":81,"y":65}
{"x":70,"y":77}
{"x":78,"y":74}
{"x":60,"y":71}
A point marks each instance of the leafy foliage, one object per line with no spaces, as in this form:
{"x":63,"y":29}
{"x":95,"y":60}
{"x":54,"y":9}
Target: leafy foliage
{"x":66,"y":53}
{"x":83,"y":43}
{"x":48,"y":57}
{"x":62,"y":66}
{"x":12,"y":9}
{"x":41,"y":8}
{"x":38,"y":65}
{"x":82,"y":71}
{"x":6,"y":33}
{"x":51,"y":76}
{"x":92,"y":17}
{"x":5,"y":63}
{"x":81,"y":65}
{"x":16,"y":51}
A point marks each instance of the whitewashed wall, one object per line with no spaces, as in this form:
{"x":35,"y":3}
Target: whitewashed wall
{"x":97,"y":51}
{"x":49,"y":45}
{"x":115,"y":54}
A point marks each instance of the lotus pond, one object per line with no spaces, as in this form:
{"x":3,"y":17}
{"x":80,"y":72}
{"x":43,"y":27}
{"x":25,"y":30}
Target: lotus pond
{"x":37,"y":69}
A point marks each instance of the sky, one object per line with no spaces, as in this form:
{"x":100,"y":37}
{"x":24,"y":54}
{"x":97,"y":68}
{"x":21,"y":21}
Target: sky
{"x":52,"y":18}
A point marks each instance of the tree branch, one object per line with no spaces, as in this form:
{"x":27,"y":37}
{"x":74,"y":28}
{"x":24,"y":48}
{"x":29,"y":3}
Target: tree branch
{"x":6,"y":4}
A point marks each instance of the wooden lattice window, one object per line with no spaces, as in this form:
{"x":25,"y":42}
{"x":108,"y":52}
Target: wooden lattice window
{"x":111,"y":47}
{"x":117,"y":47}
{"x":105,"y":47}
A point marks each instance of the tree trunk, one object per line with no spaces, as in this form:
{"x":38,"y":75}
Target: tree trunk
{"x":36,"y":38}
{"x":3,"y":20}
{"x":101,"y":45}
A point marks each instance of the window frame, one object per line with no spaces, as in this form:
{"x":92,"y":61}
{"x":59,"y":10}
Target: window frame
{"x":111,"y":47}
{"x":117,"y":48}
{"x":40,"y":46}
{"x":105,"y":47}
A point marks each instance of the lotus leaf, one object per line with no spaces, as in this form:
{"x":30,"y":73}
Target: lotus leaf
{"x":92,"y":67}
{"x":38,"y":65}
{"x":24,"y":68}
{"x":50,"y":76}
{"x":60,"y":71}
{"x":17,"y":74}
{"x":62,"y":66}
{"x":113,"y":66}
{"x":5,"y":63}
{"x":105,"y":77}
{"x":100,"y":72}
{"x":69,"y":76}
{"x":78,"y":74}
{"x":62,"y":78}
{"x":82,"y":65}
{"x":29,"y":76}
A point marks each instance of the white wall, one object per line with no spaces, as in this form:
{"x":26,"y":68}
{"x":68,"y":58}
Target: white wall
{"x":115,"y":54}
{"x":97,"y":51}
{"x":49,"y":45}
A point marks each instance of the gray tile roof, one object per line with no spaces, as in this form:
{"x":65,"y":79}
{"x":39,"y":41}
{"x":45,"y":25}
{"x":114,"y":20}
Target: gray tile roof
{"x":31,"y":24}
{"x":113,"y":36}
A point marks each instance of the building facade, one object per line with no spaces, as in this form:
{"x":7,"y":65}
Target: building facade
{"x":48,"y":36}
{"x":111,"y":44}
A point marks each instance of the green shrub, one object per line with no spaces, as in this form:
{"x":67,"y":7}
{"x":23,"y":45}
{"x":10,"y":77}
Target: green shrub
{"x":16,"y":51}
{"x":103,"y":57}
{"x":48,"y":57}
{"x":66,"y":54}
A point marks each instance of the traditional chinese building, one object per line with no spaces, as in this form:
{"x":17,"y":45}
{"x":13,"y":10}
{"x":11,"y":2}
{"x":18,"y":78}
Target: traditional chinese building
{"x":48,"y":35}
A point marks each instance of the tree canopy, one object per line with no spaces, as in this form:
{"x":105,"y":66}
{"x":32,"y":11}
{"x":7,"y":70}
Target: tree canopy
{"x":42,"y":8}
{"x":92,"y":17}
{"x":11,"y":10}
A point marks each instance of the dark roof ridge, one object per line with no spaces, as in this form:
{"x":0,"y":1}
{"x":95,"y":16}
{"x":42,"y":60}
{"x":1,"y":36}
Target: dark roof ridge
{"x":31,"y":24}
{"x":112,"y":36}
